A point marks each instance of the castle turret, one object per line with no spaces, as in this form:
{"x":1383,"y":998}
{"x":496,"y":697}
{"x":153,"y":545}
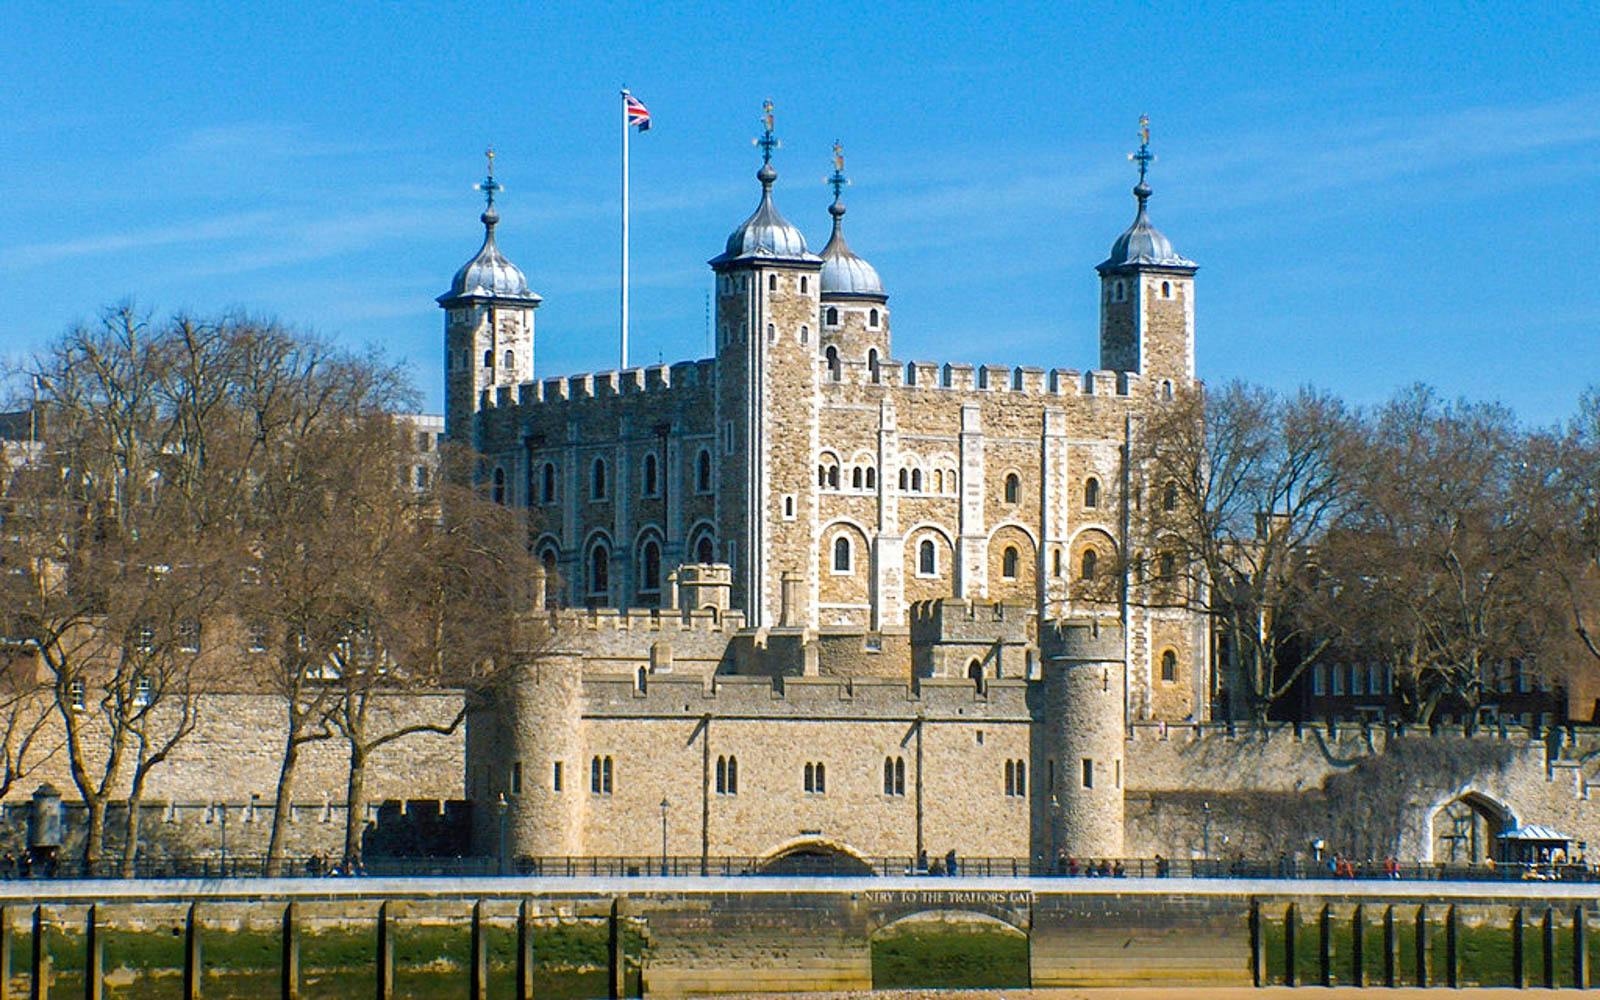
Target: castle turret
{"x":855,"y":311}
{"x":767,"y":359}
{"x":488,"y":332}
{"x":537,"y":763}
{"x":1147,"y":297}
{"x":1079,"y":733}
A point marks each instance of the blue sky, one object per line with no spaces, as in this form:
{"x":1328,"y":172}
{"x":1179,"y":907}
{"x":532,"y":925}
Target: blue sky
{"x":1376,"y":194}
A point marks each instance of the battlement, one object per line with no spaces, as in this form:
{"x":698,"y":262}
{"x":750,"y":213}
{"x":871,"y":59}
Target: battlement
{"x":804,"y":697}
{"x":1081,"y":640}
{"x":1022,"y":380}
{"x":602,"y":385}
{"x":950,"y":619}
{"x":576,"y":621}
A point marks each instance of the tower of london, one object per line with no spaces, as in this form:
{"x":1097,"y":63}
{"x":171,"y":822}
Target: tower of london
{"x":811,"y":595}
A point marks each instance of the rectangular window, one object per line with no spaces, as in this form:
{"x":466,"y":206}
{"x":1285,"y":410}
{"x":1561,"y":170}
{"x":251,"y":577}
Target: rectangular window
{"x":555,"y":778}
{"x":516,"y":777}
{"x":189,"y":637}
{"x":1319,"y":679}
{"x":1088,"y":773}
{"x":1338,"y":679}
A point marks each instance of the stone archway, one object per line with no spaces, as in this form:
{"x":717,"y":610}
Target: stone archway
{"x":950,"y":949}
{"x":1463,"y":830}
{"x":814,"y":856}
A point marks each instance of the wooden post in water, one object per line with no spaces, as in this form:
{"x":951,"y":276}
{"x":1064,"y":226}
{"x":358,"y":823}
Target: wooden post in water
{"x":1290,"y":924}
{"x":616,"y":959}
{"x":191,"y":953}
{"x":1358,"y":946}
{"x":289,"y":975}
{"x":1325,"y":946}
{"x":477,"y":976}
{"x":1519,"y":954}
{"x":385,"y":954}
{"x":1391,"y":949}
{"x":1258,"y":953}
{"x":525,"y":954}
{"x":93,"y":956}
{"x":5,"y":953}
{"x":39,"y":986}
{"x":1549,"y":929}
{"x":1424,"y":945}
{"x":1452,"y":955}
{"x":1580,"y":949}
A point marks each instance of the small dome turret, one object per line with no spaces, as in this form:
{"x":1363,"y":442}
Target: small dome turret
{"x":844,"y":274}
{"x":1142,"y":244}
{"x":766,"y":234}
{"x":489,"y":274}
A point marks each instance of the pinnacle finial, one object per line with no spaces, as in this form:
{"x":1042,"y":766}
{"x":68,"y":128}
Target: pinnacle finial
{"x":768,"y":142}
{"x":1144,"y":158}
{"x":838,"y":181}
{"x":489,"y":186}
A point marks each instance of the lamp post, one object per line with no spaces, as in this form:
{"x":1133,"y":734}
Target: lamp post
{"x":1205,"y":830}
{"x":664,"y":806}
{"x":502,"y":807}
{"x":223,"y":808}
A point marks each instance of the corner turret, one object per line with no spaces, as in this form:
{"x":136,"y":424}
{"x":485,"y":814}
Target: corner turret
{"x":855,"y":313}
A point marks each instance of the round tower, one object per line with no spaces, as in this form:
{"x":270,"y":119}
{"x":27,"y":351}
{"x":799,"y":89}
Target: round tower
{"x":855,"y":309}
{"x":542,"y":754}
{"x":1081,"y":729}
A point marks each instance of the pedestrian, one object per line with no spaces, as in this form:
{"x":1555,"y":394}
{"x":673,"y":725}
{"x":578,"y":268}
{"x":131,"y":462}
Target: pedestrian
{"x":950,"y":862}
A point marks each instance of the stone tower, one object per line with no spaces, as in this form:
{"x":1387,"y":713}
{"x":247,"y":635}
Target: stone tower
{"x":855,"y":314}
{"x":488,"y":329}
{"x":1079,"y":734}
{"x":1147,"y":298}
{"x":766,"y":403}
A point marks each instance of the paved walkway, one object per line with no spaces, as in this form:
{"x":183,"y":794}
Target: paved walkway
{"x":451,"y":887}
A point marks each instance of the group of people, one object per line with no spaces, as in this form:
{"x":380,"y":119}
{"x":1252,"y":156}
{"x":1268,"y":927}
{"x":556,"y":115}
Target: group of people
{"x":1066,"y":864}
{"x":317,"y":865}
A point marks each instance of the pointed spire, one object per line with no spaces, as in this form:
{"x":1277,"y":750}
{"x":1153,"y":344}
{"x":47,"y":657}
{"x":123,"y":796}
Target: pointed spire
{"x":1144,"y":158}
{"x":838,"y":181}
{"x":768,"y":143}
{"x":489,"y":186}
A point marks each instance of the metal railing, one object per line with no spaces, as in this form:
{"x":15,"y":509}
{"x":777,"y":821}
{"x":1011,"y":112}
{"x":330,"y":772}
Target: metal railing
{"x":836,"y":865}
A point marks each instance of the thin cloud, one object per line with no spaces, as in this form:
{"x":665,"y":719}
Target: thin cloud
{"x":228,"y":227}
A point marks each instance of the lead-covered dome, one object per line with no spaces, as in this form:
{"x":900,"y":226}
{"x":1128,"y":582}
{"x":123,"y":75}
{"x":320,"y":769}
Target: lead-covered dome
{"x":766,"y":234}
{"x":1142,"y":244}
{"x":489,"y":274}
{"x":845,"y":274}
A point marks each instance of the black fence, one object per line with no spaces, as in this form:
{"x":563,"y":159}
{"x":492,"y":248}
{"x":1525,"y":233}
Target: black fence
{"x":255,"y":866}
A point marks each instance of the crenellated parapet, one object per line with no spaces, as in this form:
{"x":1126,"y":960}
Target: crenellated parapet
{"x":646,"y":381}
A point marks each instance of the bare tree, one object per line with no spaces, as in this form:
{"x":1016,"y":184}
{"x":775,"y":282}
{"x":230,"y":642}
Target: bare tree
{"x":1239,"y":485}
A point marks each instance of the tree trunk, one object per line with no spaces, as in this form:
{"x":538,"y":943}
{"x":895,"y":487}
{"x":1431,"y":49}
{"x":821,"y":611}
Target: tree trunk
{"x":94,"y":837}
{"x":355,"y":805}
{"x":130,"y":834}
{"x":281,"y":802}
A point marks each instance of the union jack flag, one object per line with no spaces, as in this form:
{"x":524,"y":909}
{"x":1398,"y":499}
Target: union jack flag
{"x":638,"y":114}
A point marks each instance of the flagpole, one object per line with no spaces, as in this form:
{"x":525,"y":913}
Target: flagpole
{"x":624,"y":103}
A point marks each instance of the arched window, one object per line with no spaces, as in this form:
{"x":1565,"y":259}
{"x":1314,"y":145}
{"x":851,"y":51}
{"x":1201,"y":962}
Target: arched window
{"x":651,"y":578}
{"x":822,"y":475}
{"x":975,"y":671}
{"x":927,"y":558}
{"x":1011,"y":778}
{"x":733,"y":775}
{"x":1166,"y":388}
{"x":772,"y":282}
{"x":1022,"y":778}
{"x":804,"y":284}
{"x":810,"y":779}
{"x":552,"y":587}
{"x":832,"y":316}
{"x":650,"y":477}
{"x":788,"y":506}
{"x":872,"y":319}
{"x":597,"y":480}
{"x":872,"y":478}
{"x":835,"y":372}
{"x":488,"y":359}
{"x":833,"y":476}
{"x":510,"y":360}
{"x":600,"y":775}
{"x":1055,"y":562}
{"x":894,"y":775}
{"x":1166,"y":289}
{"x":911,"y":373}
{"x":872,"y":365}
{"x":702,"y":472}
{"x":499,"y":488}
{"x":916,"y":480}
{"x":822,"y":777}
{"x":599,"y":570}
{"x":547,"y":483}
{"x":722,"y":775}
{"x":705,"y":550}
{"x":1169,"y":498}
{"x":856,"y":475}
{"x":1169,"y":666}
{"x":841,"y":554}
{"x":905,"y":479}
{"x":1168,"y":566}
{"x":816,"y":778}
{"x":938,"y":480}
{"x":1087,"y":569}
{"x":772,"y":334}
{"x":1013,"y":488}
{"x":1091,"y":492}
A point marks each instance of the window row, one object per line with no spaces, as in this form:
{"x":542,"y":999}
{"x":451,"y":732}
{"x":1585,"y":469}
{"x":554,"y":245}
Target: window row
{"x":814,"y":775}
{"x":650,"y":479}
{"x":1351,"y":678}
{"x":830,"y":317}
{"x":836,"y":364}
